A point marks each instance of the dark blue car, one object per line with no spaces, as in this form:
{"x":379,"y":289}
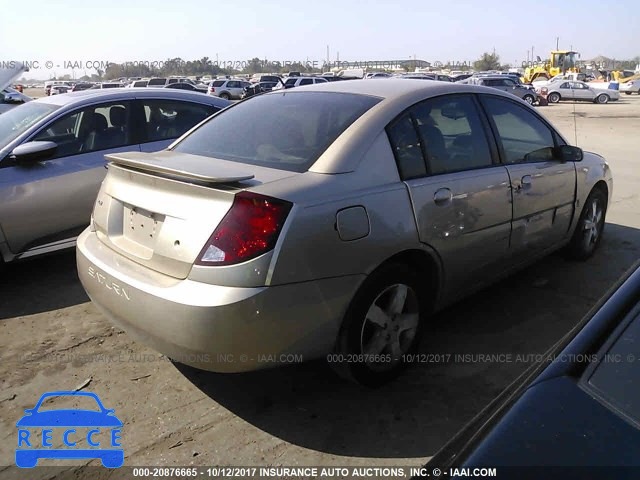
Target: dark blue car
{"x":27,"y":453}
{"x":575,"y":414}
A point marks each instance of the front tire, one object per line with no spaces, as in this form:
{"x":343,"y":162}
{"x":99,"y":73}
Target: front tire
{"x":602,"y":98}
{"x":529,"y":99}
{"x":553,"y":97}
{"x":381,"y":326}
{"x":590,"y":227}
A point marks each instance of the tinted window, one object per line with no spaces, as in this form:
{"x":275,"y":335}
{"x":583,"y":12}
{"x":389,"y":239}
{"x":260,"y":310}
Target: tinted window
{"x":166,"y":119}
{"x":157,"y":81}
{"x":217,"y":83}
{"x":100,"y":127}
{"x":290,"y":81}
{"x":452,"y":134}
{"x":18,"y":120}
{"x":306,"y":81}
{"x":320,"y":80}
{"x":520,"y":131}
{"x":406,"y":148}
{"x":233,"y":84}
{"x":288,"y":130}
{"x":617,"y":378}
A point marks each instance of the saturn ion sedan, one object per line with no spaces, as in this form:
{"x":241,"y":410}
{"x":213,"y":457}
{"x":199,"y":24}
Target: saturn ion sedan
{"x":333,"y":223}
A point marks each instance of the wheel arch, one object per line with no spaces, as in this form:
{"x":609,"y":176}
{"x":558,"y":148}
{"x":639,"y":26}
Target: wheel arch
{"x":428,"y":266}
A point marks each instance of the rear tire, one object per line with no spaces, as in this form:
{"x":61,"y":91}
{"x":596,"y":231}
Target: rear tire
{"x":225,"y":96}
{"x":553,"y":97}
{"x":602,"y":98}
{"x":590,"y":227}
{"x":381,"y":326}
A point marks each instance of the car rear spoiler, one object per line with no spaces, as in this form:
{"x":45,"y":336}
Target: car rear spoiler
{"x":183,"y":166}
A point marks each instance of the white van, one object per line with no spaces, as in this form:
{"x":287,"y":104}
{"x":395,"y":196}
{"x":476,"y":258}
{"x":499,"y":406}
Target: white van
{"x":50,"y":83}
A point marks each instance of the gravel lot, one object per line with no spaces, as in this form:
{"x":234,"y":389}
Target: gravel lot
{"x":52,"y":338}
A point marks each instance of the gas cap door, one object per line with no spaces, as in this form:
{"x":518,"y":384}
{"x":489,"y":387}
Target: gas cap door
{"x":352,"y":223}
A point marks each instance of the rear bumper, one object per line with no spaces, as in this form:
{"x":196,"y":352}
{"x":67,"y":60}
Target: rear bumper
{"x":217,"y":328}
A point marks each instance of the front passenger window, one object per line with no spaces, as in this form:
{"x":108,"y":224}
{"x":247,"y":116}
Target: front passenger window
{"x":99,"y":127}
{"x":524,"y":136}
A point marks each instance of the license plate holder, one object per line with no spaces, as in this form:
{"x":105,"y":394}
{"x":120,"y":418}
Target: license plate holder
{"x":141,"y":226}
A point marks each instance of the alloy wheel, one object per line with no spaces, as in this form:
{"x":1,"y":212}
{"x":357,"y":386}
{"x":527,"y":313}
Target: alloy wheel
{"x":593,"y":222}
{"x":390,"y":326}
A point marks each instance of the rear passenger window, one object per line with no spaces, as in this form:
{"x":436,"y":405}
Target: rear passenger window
{"x":524,"y":136}
{"x":306,"y":81}
{"x":452,"y":133}
{"x":406,"y":148}
{"x":166,"y":119}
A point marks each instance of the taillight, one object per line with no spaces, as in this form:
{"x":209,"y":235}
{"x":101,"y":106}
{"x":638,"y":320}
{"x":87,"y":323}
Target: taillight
{"x":212,"y":89}
{"x":249,"y":229}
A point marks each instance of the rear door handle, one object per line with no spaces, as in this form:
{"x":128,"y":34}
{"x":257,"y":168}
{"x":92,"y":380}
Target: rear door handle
{"x":442,"y":196}
{"x":525,"y":183}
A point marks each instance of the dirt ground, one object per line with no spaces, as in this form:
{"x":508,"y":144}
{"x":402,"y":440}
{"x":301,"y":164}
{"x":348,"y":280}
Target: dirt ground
{"x":52,"y":338}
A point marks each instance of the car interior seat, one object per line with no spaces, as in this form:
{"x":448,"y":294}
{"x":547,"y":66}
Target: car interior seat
{"x":97,"y":125}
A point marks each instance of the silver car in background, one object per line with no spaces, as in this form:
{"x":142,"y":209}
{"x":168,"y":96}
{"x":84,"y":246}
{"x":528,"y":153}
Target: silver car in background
{"x":574,"y":90}
{"x":335,"y":221}
{"x":52,"y":157}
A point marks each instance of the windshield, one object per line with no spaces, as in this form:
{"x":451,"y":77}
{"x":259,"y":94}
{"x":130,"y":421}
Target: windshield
{"x":18,"y":120}
{"x":288,"y":130}
{"x":566,"y":60}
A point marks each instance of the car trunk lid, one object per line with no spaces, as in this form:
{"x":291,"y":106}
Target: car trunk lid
{"x":159,"y":209}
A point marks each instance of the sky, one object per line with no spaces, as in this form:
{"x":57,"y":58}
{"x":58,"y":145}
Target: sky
{"x":297,"y":30}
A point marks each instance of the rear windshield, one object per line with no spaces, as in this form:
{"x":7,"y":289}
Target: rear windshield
{"x":218,"y":83}
{"x":287,"y":131}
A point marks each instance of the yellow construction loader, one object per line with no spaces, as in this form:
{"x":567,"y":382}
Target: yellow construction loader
{"x":561,"y":61}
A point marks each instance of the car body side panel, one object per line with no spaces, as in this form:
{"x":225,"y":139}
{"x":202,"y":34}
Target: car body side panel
{"x":48,"y":197}
{"x":310,"y":247}
{"x":592,"y":169}
{"x":543,"y":208}
{"x":471,"y":230}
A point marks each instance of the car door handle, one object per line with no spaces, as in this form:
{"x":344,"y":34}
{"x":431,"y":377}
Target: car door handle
{"x":442,"y":196}
{"x":525,"y":183}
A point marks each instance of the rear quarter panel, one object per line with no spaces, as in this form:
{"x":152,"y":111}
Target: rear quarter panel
{"x":310,"y":246}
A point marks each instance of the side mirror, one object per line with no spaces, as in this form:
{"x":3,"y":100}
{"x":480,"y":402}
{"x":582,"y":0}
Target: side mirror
{"x":13,"y":98}
{"x":568,"y":153}
{"x":33,"y":151}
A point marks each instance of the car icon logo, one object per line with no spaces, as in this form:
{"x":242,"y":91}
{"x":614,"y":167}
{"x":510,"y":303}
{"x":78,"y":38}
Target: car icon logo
{"x":104,"y":430}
